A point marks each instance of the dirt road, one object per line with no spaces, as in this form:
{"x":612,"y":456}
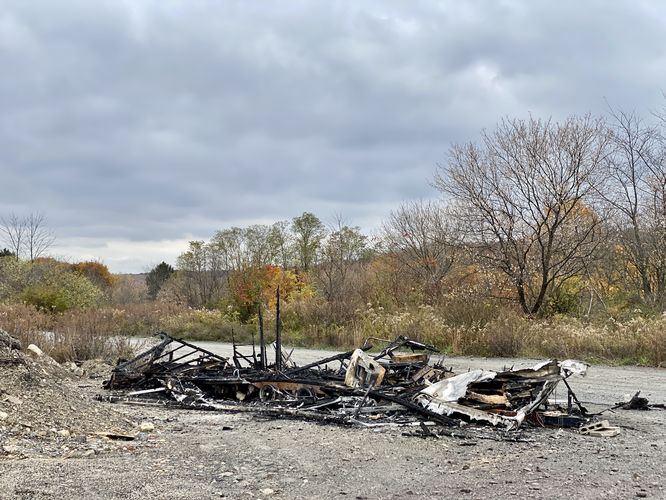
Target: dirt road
{"x":194,"y":455}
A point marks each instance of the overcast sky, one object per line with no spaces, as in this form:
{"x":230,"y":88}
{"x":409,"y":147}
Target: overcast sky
{"x":138,"y":125}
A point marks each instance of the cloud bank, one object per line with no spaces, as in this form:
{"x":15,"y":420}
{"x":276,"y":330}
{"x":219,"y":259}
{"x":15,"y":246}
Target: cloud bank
{"x":135,"y":126}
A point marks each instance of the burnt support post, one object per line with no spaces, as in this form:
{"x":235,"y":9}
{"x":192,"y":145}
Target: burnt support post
{"x":278,"y":332}
{"x":262,"y":344}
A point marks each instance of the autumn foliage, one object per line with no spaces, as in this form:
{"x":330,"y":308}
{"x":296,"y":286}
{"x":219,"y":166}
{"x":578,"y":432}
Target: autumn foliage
{"x":259,"y":285}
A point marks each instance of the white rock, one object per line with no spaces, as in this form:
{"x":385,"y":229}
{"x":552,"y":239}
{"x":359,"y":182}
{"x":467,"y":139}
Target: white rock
{"x":35,"y":350}
{"x":267,"y":492}
{"x":64,"y":433}
{"x":147,"y":427}
{"x":3,"y":415}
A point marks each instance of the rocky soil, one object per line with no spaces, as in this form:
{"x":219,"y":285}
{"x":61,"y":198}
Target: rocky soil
{"x":44,"y":411}
{"x":193,"y":455}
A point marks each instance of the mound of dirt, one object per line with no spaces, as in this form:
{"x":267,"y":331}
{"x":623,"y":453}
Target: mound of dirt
{"x":39,"y":400}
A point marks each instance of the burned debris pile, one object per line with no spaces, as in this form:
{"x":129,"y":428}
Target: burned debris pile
{"x":396,"y":386}
{"x":39,"y":400}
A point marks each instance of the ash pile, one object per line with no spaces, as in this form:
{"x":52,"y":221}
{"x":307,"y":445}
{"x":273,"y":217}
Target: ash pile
{"x":397,"y":386}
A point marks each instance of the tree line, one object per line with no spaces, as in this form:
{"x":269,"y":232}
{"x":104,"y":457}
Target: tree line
{"x":565,"y":216}
{"x":540,"y":216}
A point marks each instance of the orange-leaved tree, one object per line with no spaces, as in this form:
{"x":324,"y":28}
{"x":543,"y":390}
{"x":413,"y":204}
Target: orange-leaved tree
{"x":258,"y":285}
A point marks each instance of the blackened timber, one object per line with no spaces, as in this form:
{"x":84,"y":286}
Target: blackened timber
{"x":337,"y":357}
{"x":195,"y":347}
{"x":278,"y":332}
{"x":149,"y":361}
{"x":262,"y":344}
{"x":254,"y":352}
{"x":572,"y":394}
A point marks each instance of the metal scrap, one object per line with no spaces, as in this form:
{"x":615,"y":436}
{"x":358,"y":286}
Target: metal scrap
{"x":499,"y":398}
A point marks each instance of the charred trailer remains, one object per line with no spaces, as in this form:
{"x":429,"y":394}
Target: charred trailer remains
{"x":395,"y":386}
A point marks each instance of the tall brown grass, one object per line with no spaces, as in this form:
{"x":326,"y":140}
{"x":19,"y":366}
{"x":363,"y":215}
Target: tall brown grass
{"x":637,"y":341}
{"x":104,"y":332}
{"x":80,"y":334}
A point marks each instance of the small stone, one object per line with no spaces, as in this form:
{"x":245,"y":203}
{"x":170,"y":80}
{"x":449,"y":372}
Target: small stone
{"x":3,"y":415}
{"x":147,"y":427}
{"x":35,"y":350}
{"x":64,"y":433}
{"x":267,"y":492}
{"x":13,"y":400}
{"x":11,"y":449}
{"x":88,"y":453}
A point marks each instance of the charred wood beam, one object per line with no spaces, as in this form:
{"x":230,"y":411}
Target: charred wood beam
{"x":278,"y":332}
{"x":336,"y":357}
{"x":583,"y":410}
{"x":262,"y":343}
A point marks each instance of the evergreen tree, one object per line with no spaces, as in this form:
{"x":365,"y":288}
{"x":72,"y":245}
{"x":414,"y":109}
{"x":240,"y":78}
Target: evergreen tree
{"x":157,"y":277}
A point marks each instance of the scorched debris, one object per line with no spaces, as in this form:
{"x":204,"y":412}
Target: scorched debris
{"x":396,"y":386}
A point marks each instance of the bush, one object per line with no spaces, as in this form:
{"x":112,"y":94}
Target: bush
{"x":46,"y":284}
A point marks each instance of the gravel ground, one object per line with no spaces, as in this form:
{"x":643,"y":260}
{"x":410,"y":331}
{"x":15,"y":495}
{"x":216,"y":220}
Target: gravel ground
{"x":194,"y":455}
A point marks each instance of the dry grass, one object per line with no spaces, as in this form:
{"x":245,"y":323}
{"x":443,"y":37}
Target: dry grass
{"x":81,"y":334}
{"x":103,"y":332}
{"x":637,"y":341}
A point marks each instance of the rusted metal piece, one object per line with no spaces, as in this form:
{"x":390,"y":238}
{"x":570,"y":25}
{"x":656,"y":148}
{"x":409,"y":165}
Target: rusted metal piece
{"x":299,"y":389}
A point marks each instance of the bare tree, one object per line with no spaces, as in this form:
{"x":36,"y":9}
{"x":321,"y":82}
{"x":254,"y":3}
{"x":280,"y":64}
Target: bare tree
{"x":258,"y":247}
{"x":524,"y":194}
{"x":27,"y":235}
{"x":342,"y":250}
{"x":38,"y":237}
{"x":281,"y":244}
{"x":229,"y":245}
{"x":201,"y":272}
{"x":419,"y":236}
{"x":634,"y":191}
{"x":13,"y":230}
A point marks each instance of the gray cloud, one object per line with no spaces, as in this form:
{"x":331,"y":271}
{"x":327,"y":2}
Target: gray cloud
{"x":139,"y":122}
